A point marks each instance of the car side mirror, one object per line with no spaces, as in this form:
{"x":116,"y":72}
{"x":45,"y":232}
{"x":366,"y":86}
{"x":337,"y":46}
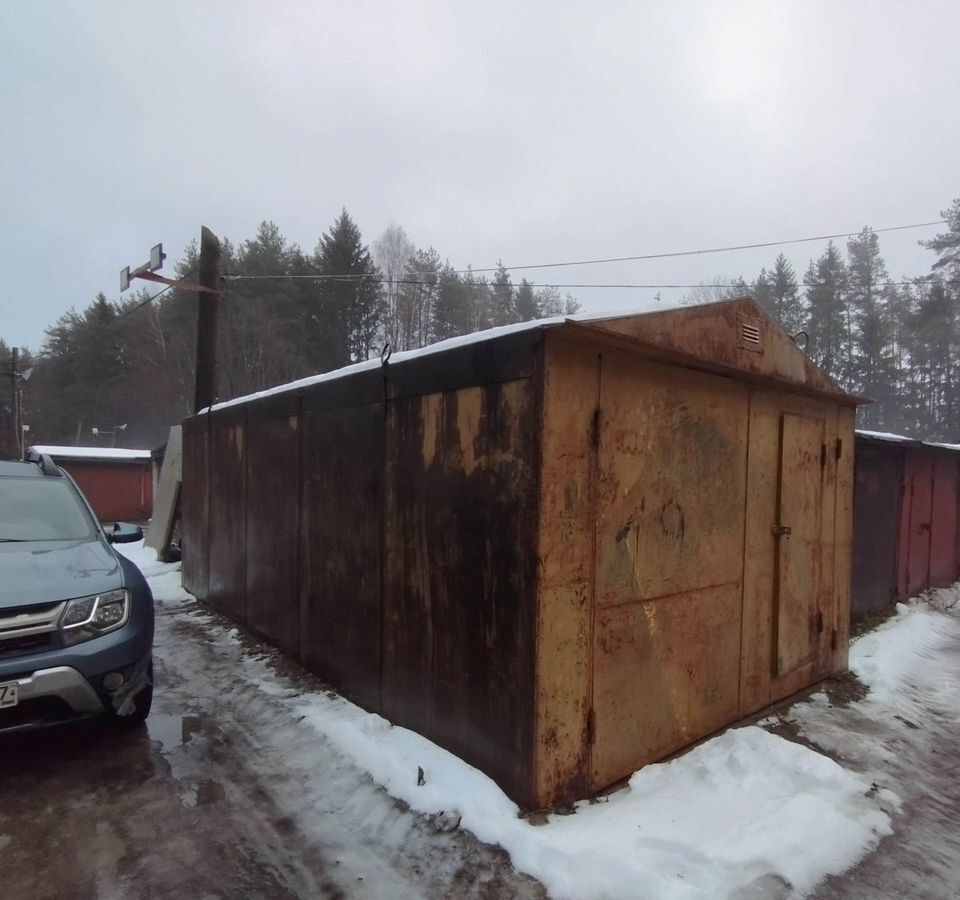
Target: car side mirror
{"x":124,"y":533}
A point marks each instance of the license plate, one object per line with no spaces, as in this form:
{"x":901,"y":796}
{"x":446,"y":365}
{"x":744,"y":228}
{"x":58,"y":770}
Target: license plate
{"x":8,"y":695}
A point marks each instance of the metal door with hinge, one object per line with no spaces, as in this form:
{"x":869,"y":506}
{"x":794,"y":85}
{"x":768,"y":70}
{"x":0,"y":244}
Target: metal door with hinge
{"x":671,"y":454}
{"x":797,"y":531}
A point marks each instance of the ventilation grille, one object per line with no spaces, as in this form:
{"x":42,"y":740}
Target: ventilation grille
{"x":751,"y":334}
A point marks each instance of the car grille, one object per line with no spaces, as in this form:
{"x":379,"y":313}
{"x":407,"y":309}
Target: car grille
{"x":29,"y":630}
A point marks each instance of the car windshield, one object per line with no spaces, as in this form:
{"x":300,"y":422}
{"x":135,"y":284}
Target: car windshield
{"x":41,"y":509}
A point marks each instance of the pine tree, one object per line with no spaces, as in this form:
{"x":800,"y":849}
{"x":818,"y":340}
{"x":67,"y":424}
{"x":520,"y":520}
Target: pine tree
{"x":453,"y":313}
{"x":525,"y":303}
{"x":873,"y":359}
{"x":353,"y":308}
{"x":416,"y":299}
{"x":504,"y":307}
{"x":762,"y":292}
{"x":789,"y":307}
{"x":947,"y":244}
{"x":828,"y":322}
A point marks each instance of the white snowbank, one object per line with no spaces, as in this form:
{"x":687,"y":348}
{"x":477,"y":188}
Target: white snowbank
{"x":92,"y":452}
{"x":895,"y":655}
{"x":744,"y":806}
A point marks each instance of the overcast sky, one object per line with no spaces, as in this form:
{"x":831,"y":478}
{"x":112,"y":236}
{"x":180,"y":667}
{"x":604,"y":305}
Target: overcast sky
{"x":523,"y":131}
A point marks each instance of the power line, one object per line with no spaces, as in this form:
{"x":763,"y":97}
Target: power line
{"x":677,"y":253}
{"x":647,"y":256}
{"x":702,"y":284}
{"x":156,"y":296}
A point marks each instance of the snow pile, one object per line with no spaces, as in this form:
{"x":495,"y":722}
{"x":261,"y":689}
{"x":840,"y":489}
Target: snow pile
{"x":896,"y":655}
{"x":912,"y":677}
{"x":740,"y":807}
{"x":737,"y":811}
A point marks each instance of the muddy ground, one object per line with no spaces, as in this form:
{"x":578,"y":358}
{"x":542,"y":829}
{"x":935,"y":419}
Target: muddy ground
{"x":215,"y":798}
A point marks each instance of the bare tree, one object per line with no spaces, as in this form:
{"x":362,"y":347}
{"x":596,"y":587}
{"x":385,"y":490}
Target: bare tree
{"x":393,"y":252}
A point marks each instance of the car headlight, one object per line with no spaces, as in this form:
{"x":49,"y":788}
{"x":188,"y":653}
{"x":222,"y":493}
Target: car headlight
{"x":89,"y":617}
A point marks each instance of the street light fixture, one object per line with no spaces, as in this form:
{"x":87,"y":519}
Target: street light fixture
{"x":111,"y":431}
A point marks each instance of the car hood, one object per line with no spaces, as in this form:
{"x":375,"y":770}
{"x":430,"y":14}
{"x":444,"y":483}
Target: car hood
{"x":36,"y":572}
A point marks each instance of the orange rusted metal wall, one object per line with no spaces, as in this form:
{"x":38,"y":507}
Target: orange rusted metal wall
{"x":715,"y":579}
{"x":118,"y":491}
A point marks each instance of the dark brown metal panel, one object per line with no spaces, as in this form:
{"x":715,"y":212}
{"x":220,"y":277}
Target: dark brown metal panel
{"x":460,"y":574}
{"x":879,"y":487}
{"x":340,"y":549}
{"x":273,"y":406}
{"x":505,"y":358}
{"x":356,"y":389}
{"x":194,"y":507}
{"x":943,"y":522}
{"x":227,"y":528}
{"x":413,"y":428}
{"x":916,"y":524}
{"x":273,"y":520}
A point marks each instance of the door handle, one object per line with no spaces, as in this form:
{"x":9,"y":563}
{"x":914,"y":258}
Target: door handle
{"x":779,"y":530}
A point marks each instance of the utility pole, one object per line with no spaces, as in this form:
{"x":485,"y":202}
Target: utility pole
{"x":207,"y":302}
{"x":9,"y":439}
{"x":208,"y":289}
{"x":14,"y":364}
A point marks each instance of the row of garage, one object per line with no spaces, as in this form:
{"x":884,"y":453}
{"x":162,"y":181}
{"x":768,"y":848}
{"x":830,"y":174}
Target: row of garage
{"x":566,"y":549}
{"x":906,"y":538}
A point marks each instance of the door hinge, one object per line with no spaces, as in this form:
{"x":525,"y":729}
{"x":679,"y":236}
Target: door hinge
{"x":591,"y":728}
{"x":839,"y":447}
{"x":595,"y":429}
{"x":819,"y":622}
{"x":833,"y":639}
{"x":823,"y":456}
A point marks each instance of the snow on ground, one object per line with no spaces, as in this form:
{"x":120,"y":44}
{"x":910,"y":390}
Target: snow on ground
{"x":736,"y":814}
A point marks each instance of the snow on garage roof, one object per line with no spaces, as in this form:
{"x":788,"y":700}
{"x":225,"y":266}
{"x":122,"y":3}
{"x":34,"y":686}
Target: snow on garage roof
{"x":642,"y":309}
{"x":92,"y":452}
{"x":903,"y":439}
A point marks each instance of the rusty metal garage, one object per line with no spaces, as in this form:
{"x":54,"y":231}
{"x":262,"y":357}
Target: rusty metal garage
{"x":561,"y":550}
{"x":906,"y":526}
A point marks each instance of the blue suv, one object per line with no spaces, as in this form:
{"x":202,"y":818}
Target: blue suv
{"x":76,"y":617}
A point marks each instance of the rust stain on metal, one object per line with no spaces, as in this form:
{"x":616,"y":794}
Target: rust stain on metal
{"x":554,"y":556}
